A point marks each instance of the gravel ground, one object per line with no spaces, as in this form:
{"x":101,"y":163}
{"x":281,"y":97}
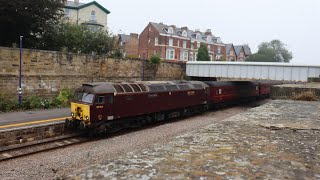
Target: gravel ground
{"x":279,"y":140}
{"x":56,"y":163}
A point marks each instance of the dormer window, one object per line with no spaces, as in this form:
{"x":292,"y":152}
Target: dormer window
{"x":209,"y":39}
{"x":219,"y":40}
{"x":93,"y":16}
{"x":170,"y":30}
{"x":198,"y":36}
{"x":184,"y":33}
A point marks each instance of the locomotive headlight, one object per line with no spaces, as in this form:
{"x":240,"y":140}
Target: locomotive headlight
{"x":72,"y":114}
{"x":87,"y":118}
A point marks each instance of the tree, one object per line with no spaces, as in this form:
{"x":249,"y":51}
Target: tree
{"x":29,"y":18}
{"x":78,"y":39}
{"x":274,"y":51}
{"x":203,"y":53}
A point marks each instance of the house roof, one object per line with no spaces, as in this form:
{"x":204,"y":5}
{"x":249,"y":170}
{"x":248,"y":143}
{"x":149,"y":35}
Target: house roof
{"x":228,"y":48}
{"x":247,"y":50}
{"x":73,"y":5}
{"x":238,"y":49}
{"x":124,"y":37}
{"x":162,"y":28}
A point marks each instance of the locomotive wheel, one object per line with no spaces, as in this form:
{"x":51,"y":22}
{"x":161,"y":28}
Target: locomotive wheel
{"x":68,"y":123}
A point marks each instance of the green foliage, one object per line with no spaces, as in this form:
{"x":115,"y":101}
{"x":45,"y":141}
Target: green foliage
{"x":36,"y":102}
{"x":203,"y":53}
{"x":274,"y":51}
{"x":65,"y":96}
{"x":31,"y":19}
{"x":155,"y":59}
{"x":117,"y":54}
{"x":78,"y":39}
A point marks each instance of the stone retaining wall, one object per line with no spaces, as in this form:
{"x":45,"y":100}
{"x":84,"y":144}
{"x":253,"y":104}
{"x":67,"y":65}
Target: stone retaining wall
{"x":294,"y":90}
{"x":46,"y":72}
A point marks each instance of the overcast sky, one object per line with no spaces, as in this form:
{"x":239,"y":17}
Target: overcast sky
{"x":295,"y":22}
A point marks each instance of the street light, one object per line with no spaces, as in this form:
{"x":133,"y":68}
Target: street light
{"x":20,"y":72}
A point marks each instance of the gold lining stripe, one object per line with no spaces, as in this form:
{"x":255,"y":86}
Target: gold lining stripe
{"x":33,"y":122}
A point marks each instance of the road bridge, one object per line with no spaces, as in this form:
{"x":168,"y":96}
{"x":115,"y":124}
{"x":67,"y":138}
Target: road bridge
{"x":253,"y":70}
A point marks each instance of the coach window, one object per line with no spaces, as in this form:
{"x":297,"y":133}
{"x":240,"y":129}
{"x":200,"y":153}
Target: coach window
{"x":100,"y":99}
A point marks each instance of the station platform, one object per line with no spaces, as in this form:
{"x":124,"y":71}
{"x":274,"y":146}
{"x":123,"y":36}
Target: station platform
{"x":31,"y":118}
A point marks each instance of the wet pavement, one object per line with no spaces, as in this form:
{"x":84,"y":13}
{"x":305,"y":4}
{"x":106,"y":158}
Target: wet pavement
{"x":278,"y":140}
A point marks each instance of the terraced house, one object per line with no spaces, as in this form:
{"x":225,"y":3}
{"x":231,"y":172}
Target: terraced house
{"x":91,"y":14}
{"x":178,"y":44}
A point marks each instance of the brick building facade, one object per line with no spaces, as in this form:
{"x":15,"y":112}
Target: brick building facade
{"x":129,"y":45}
{"x":178,"y":44}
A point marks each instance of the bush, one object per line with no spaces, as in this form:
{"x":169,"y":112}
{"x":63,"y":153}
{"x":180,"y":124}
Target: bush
{"x":155,"y":59}
{"x":306,"y":96}
{"x":36,"y":102}
{"x":64,"y":97}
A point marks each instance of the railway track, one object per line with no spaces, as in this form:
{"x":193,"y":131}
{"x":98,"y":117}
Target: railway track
{"x":19,"y":150}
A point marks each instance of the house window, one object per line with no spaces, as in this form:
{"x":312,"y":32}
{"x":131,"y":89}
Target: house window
{"x":93,"y":16}
{"x":156,"y":41}
{"x":198,"y":45}
{"x":195,"y":56}
{"x":210,"y":57}
{"x":170,"y":42}
{"x":231,"y":53}
{"x":170,"y":54}
{"x":185,"y":56}
{"x":191,"y":57}
{"x":184,"y":34}
{"x":192,"y":45}
{"x":209,"y":38}
{"x":184,"y":44}
{"x":178,"y":43}
{"x":66,"y":12}
{"x":170,"y":30}
{"x":219,"y":50}
{"x":198,"y":36}
{"x":209,"y":47}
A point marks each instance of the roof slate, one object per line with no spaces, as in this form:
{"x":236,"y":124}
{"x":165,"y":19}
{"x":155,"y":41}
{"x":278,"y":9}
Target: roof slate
{"x":191,"y":34}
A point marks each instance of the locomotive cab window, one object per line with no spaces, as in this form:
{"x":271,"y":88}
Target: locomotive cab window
{"x":100,"y":100}
{"x":109,"y":99}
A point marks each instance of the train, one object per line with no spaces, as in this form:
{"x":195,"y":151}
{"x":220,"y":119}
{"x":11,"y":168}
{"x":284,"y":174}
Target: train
{"x":102,"y":106}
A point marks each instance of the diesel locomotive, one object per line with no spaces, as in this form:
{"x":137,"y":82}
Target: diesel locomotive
{"x":103,"y":105}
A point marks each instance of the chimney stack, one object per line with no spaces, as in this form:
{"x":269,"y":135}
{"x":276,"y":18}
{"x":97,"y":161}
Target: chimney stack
{"x":134,"y":35}
{"x":208,"y":32}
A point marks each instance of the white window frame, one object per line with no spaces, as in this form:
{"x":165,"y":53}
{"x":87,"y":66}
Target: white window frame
{"x":170,"y":54}
{"x":211,"y":57}
{"x":209,"y":39}
{"x":195,"y":56}
{"x":67,"y":12}
{"x":209,"y":47}
{"x":185,"y":55}
{"x":184,"y":33}
{"x":198,"y":36}
{"x":156,"y":41}
{"x":191,"y":56}
{"x":170,"y":43}
{"x":93,"y":16}
{"x":219,"y":50}
{"x":198,"y":45}
{"x":178,"y":43}
{"x":184,"y":44}
{"x":170,"y":30}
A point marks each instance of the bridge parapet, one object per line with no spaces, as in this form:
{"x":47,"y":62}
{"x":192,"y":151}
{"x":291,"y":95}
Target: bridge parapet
{"x":253,"y":70}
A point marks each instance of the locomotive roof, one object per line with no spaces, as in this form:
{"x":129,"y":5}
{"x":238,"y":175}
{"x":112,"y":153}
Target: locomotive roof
{"x":140,"y":86}
{"x":230,"y":83}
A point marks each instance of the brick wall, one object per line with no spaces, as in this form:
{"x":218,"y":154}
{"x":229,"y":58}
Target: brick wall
{"x":46,"y":72}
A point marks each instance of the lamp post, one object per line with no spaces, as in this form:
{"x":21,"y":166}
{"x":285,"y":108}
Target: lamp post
{"x":20,"y":72}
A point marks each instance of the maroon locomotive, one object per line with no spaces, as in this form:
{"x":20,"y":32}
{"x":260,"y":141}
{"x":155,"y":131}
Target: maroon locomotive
{"x":103,"y":105}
